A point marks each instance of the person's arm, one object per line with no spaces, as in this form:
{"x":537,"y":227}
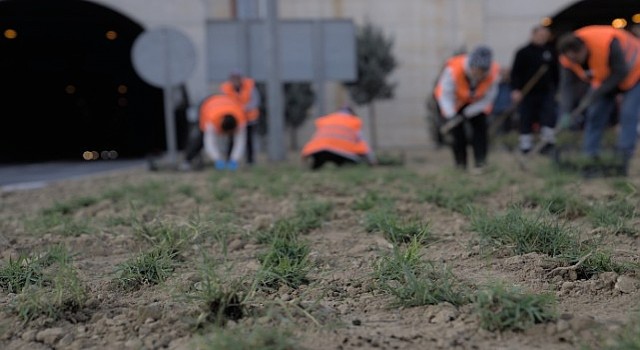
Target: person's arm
{"x":210,"y":143}
{"x":239,"y":144}
{"x":487,"y":100}
{"x":254,"y":100}
{"x":447,"y":98}
{"x":567,"y":85}
{"x":618,"y":71}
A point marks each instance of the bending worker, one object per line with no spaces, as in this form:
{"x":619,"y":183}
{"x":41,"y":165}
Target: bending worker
{"x":220,"y":116}
{"x":338,"y":139}
{"x":608,"y":59}
{"x":467,"y":88}
{"x":243,"y":90}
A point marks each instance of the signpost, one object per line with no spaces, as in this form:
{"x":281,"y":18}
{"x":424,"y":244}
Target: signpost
{"x":165,"y":58}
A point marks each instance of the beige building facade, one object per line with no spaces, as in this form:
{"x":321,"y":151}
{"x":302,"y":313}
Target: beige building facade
{"x":425,"y":33}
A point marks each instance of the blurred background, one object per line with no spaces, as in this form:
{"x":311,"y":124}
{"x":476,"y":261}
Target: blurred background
{"x":69,"y":90}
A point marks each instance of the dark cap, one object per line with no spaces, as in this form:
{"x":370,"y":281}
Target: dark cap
{"x":480,"y":57}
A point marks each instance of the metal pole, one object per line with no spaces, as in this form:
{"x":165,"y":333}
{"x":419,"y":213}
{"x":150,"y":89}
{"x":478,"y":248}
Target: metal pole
{"x":169,"y":120}
{"x":318,"y":66}
{"x":275,"y":119}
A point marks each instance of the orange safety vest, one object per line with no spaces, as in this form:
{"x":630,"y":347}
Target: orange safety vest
{"x":339,"y":133}
{"x":243,"y":96}
{"x":214,"y":109}
{"x":598,"y":42}
{"x":463,"y":92}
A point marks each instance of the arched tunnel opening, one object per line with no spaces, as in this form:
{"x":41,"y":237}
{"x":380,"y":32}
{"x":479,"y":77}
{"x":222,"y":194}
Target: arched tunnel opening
{"x":619,"y":13}
{"x":68,"y":85}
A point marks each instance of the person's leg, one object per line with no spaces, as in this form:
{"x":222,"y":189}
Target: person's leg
{"x":194,"y":144}
{"x":229,"y":147}
{"x":318,"y":159}
{"x":479,"y":140}
{"x":526,"y":112}
{"x":459,"y":145}
{"x":548,"y":115}
{"x":628,"y":124}
{"x":250,"y":135}
{"x":596,"y":121}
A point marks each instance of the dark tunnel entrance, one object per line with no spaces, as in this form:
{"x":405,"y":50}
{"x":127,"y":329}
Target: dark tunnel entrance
{"x":68,"y":85}
{"x":588,"y":12}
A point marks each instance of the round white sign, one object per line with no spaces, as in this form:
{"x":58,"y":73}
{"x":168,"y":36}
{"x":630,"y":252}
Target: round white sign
{"x":163,"y":57}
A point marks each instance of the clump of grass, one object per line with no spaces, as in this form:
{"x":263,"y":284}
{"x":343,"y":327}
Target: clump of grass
{"x":308,"y":216}
{"x":286,"y":262}
{"x":457,"y":192}
{"x":500,"y":308}
{"x":46,"y":285}
{"x":162,"y":232}
{"x":396,"y":231}
{"x":523,"y":234}
{"x":219,"y":300}
{"x":558,"y":202}
{"x":415,"y":282}
{"x":237,"y":339}
{"x":70,"y":206}
{"x":26,"y":271}
{"x":370,"y":200}
{"x":154,"y":193}
{"x":149,"y":268}
{"x":614,"y":215}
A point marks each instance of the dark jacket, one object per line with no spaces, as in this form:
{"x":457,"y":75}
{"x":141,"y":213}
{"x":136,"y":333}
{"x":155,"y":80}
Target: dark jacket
{"x":528,"y":60}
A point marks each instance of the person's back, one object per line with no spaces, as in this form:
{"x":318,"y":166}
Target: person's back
{"x":337,"y":139}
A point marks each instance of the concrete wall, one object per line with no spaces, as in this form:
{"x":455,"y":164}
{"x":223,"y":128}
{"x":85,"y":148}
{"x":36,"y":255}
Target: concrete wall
{"x":426,"y":32}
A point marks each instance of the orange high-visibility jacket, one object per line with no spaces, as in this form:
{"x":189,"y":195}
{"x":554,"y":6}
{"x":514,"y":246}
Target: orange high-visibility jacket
{"x":598,"y":41}
{"x":462,"y":88}
{"x":243,"y":96}
{"x":214,"y":109}
{"x":338,"y":133}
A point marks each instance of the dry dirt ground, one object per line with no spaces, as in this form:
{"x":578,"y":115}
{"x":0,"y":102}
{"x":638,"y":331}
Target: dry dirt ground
{"x":105,"y":221}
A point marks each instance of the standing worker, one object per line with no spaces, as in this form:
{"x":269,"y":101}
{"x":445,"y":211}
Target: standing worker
{"x":538,"y":104}
{"x":609,"y":59}
{"x":338,"y":139}
{"x":467,"y":89}
{"x":243,"y":90}
{"x":219,"y":116}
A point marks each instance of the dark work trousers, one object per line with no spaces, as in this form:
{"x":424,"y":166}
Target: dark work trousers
{"x":478,"y":138}
{"x":537,"y":107}
{"x":251,"y":130}
{"x":194,"y":143}
{"x":322,"y":157}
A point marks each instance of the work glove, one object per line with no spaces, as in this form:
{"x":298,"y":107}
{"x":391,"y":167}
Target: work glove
{"x":232,"y":165}
{"x":220,"y":164}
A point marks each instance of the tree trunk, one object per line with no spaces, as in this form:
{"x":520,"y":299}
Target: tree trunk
{"x":372,"y":126}
{"x":293,"y":138}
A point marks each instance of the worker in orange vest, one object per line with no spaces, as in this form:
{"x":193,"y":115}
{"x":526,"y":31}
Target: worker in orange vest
{"x":467,"y":87}
{"x":219,"y":116}
{"x":338,"y":139}
{"x":609,"y":60}
{"x":243,"y":90}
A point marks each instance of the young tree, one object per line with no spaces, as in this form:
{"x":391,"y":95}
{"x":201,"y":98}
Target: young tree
{"x":298,"y":99}
{"x":375,"y":63}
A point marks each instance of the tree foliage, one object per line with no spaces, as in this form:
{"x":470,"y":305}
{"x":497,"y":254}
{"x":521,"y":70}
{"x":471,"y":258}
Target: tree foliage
{"x":375,"y":63}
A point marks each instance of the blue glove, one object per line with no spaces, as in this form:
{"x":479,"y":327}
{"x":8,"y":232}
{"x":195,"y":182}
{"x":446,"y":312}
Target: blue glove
{"x":220,"y":164}
{"x":232,"y":165}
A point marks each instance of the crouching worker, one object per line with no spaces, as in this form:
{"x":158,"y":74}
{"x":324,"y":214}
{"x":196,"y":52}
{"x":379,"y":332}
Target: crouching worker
{"x":220,"y":116}
{"x":338,"y":139}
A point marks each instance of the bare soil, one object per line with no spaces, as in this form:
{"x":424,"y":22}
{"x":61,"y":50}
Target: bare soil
{"x":340,"y":307}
